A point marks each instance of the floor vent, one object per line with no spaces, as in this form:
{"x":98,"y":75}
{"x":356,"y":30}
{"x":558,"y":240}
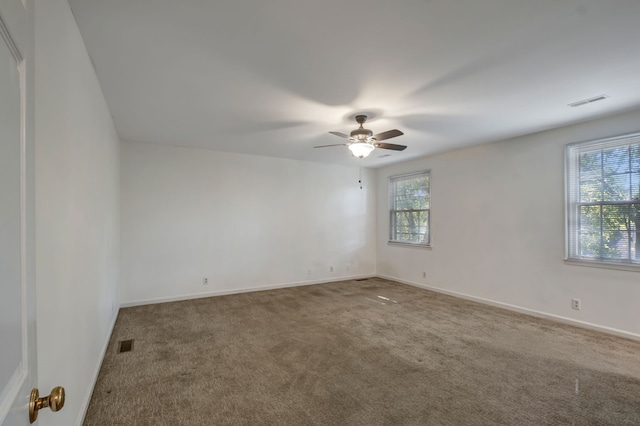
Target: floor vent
{"x":125,"y":346}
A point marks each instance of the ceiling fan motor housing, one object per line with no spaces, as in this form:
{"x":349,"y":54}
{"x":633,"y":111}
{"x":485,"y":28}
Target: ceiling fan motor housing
{"x":362,"y":141}
{"x":361,"y":134}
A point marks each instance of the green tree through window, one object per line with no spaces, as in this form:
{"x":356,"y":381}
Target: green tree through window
{"x":604,"y":200}
{"x":410,"y":201}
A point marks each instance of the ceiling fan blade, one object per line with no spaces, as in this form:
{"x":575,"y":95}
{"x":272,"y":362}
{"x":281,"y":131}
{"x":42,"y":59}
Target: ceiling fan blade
{"x":342,"y":135}
{"x":391,"y":146}
{"x":336,"y":144}
{"x":388,"y":135}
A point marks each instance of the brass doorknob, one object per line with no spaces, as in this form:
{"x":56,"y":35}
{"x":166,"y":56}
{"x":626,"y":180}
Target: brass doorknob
{"x":55,"y":401}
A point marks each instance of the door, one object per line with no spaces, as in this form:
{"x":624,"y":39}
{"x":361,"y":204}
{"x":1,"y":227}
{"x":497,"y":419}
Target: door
{"x":17,"y":252}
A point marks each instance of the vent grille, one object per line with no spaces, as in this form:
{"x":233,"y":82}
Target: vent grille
{"x":588,"y":101}
{"x":125,"y":346}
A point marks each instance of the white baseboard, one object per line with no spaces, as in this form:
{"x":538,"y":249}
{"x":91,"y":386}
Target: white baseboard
{"x":87,"y":397}
{"x":514,"y":308}
{"x":519,"y":309}
{"x":238,"y":291}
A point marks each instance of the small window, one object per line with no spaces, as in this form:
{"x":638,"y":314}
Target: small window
{"x":410,"y":200}
{"x":603,"y":200}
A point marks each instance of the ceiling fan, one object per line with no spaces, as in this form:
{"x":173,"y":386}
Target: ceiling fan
{"x":362,"y":141}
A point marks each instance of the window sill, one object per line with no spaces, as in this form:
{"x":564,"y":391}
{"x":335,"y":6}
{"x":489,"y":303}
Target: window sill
{"x":418,"y":246}
{"x":603,"y":265}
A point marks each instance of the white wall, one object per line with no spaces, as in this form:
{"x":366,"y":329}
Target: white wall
{"x":77,"y":213}
{"x":243,"y":221}
{"x":498,"y":230}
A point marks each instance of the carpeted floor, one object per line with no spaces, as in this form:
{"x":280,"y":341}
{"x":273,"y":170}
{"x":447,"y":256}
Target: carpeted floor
{"x":368,"y":352}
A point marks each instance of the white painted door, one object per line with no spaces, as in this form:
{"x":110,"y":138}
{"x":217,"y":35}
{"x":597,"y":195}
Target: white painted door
{"x":17,"y":300}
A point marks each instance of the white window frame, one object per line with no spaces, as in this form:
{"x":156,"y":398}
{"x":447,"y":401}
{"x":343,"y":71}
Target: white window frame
{"x":393,"y":211}
{"x":573,"y":203}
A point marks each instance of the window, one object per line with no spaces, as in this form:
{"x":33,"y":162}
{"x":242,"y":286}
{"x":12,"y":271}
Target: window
{"x":410,"y":200}
{"x":603,"y":200}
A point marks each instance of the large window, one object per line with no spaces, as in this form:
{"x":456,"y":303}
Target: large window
{"x":603,"y":200}
{"x":410,"y":201}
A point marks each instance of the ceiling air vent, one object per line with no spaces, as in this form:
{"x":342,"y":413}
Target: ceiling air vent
{"x":588,"y":101}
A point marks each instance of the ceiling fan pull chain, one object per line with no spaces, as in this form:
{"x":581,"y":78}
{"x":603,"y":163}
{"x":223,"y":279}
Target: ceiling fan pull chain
{"x":360,"y":177}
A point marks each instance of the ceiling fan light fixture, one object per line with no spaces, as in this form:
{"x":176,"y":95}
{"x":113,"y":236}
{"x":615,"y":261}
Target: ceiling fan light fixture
{"x":361,"y":149}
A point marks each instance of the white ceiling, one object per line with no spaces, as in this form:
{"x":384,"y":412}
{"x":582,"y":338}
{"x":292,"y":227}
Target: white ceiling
{"x":273,"y":77}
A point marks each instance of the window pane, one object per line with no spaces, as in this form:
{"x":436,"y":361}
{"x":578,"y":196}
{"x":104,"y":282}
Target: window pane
{"x":590,"y":165}
{"x":615,"y":217}
{"x":590,"y":190}
{"x":616,"y":224}
{"x":634,"y":232}
{"x":412,"y":194}
{"x":615,"y":160}
{"x":617,"y":187}
{"x":618,"y":250}
{"x":635,"y":186}
{"x":635,"y":157}
{"x":590,"y":219}
{"x":411,"y":226}
{"x":590,"y":244}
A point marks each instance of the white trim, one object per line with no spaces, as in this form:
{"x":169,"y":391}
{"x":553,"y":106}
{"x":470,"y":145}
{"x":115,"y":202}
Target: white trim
{"x":15,"y":384}
{"x":11,"y":390}
{"x":11,"y":44}
{"x":514,"y":308}
{"x":567,"y":196}
{"x":629,"y":267}
{"x":519,"y":309}
{"x":412,"y":245}
{"x":238,"y":291}
{"x":610,"y":140}
{"x":391,"y":198}
{"x":26,"y":362}
{"x":404,"y":176}
{"x":572,"y":152}
{"x":96,"y":371}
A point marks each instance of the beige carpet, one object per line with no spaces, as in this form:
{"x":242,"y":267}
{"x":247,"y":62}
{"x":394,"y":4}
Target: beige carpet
{"x":368,"y":352}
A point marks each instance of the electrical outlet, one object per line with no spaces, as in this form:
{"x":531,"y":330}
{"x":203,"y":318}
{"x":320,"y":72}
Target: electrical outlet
{"x":424,"y":275}
{"x":347,"y":268}
{"x":330,"y":268}
{"x":576,"y":304}
{"x":205,"y":281}
{"x":309,"y":271}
